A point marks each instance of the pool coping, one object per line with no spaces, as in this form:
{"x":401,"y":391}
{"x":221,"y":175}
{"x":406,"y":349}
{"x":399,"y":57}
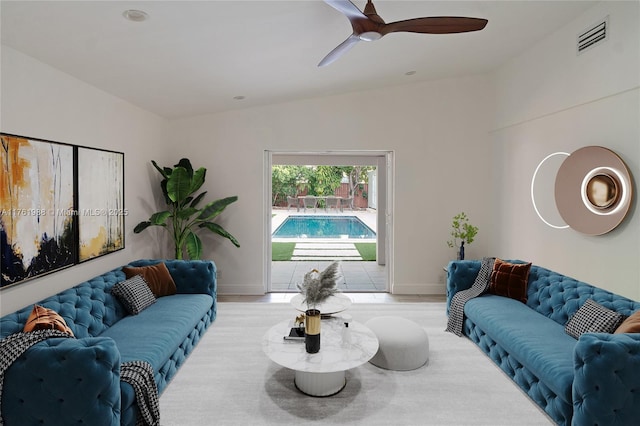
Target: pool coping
{"x":368,"y":217}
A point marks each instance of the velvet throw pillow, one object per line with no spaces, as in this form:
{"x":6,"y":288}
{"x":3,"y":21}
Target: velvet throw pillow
{"x":42,"y":318}
{"x":134,"y":294}
{"x":593,"y":318}
{"x":156,"y":276}
{"x":630,"y":325}
{"x":510,"y":280}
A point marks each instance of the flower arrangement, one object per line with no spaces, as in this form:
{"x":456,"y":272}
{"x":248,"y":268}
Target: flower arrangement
{"x":318,"y":286}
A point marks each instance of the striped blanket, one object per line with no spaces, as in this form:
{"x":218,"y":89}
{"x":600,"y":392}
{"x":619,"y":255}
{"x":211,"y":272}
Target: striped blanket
{"x":139,"y":374}
{"x":479,"y":287}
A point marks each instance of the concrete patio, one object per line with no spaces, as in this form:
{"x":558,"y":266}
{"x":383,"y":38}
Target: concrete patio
{"x":313,"y":253}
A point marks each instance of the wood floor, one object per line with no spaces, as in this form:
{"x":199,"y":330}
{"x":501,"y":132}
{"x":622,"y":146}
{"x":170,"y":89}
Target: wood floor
{"x":355,"y":297}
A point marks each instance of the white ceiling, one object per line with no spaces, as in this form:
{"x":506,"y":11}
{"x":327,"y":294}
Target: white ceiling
{"x":194,"y":57}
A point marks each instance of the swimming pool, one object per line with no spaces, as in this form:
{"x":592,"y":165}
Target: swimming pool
{"x":324,"y":227}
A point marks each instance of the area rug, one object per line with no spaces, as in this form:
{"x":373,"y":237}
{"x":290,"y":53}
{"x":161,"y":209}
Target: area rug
{"x":228,"y":380}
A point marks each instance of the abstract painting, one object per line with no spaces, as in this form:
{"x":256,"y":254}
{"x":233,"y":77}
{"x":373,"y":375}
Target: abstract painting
{"x":37,"y":217}
{"x":100,"y":202}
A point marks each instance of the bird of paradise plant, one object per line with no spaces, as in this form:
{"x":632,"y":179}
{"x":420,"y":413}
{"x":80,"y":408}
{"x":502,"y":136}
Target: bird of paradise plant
{"x":184,"y":217}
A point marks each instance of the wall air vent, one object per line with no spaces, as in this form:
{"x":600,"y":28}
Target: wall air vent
{"x":593,"y":35}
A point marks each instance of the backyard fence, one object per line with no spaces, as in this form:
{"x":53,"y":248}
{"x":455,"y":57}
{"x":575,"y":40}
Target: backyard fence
{"x":360,"y":199}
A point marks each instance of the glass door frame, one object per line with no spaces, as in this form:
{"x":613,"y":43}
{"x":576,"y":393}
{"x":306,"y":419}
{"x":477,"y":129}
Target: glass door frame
{"x":386,"y":167}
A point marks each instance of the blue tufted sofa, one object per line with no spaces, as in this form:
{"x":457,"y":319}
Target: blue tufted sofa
{"x":77,"y":381}
{"x":594,"y":380}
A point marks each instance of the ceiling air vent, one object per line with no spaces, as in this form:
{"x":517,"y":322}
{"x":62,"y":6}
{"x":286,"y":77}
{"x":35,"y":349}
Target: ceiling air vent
{"x":593,"y":35}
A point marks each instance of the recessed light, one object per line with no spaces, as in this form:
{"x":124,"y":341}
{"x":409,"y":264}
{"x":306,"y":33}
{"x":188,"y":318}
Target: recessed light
{"x":239,"y":98}
{"x":409,"y":73}
{"x":135,"y":15}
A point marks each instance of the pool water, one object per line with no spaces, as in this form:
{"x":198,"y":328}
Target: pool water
{"x":323,"y":227}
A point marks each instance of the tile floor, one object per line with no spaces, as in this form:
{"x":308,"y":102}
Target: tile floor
{"x":356,"y":275}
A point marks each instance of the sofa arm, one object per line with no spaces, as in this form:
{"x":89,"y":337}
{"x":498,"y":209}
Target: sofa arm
{"x":460,"y":276}
{"x":190,"y":276}
{"x":606,"y":384}
{"x":65,"y":382}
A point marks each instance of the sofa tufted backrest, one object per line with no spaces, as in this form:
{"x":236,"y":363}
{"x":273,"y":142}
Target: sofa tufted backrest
{"x":88,"y":308}
{"x":190,"y":277}
{"x":559,"y":297}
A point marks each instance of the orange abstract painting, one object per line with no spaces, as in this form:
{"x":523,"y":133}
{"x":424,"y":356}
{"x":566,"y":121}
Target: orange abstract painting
{"x":36,"y":208}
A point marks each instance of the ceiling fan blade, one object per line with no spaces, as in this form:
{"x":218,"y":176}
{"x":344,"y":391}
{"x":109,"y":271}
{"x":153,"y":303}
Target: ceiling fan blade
{"x":435,"y":25}
{"x":340,"y":50}
{"x":347,"y":8}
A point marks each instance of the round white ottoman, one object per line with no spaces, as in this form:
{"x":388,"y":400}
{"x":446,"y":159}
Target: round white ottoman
{"x":403,"y":344}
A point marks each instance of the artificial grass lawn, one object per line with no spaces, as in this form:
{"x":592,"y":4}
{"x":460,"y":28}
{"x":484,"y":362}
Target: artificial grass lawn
{"x":284,"y":251}
{"x":367,"y":251}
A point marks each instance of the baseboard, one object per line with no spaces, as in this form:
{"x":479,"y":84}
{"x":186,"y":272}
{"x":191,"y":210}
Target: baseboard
{"x":421,"y":288}
{"x":240,"y":289}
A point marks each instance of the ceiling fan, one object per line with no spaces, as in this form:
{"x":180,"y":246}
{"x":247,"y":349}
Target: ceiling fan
{"x":369,"y":26}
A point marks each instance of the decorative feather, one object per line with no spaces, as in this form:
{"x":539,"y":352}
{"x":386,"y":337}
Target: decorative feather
{"x":319,"y":286}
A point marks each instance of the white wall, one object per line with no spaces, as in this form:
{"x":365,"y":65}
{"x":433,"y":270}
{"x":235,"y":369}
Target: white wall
{"x":452,"y":154}
{"x":551,"y":99}
{"x":41,"y":102}
{"x":438,"y":130}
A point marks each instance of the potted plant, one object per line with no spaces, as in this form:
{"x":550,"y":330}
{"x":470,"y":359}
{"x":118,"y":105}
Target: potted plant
{"x":184,"y":217}
{"x":461,"y":230}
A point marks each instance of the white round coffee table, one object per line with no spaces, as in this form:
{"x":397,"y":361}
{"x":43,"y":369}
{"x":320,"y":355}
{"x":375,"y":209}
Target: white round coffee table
{"x":322,"y":373}
{"x":337,"y":303}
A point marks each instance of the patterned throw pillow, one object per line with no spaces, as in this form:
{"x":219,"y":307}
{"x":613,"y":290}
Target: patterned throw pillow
{"x":510,"y":280}
{"x":134,"y":294}
{"x":630,"y":325}
{"x":157,"y":277}
{"x":593,"y":318}
{"x":42,"y":318}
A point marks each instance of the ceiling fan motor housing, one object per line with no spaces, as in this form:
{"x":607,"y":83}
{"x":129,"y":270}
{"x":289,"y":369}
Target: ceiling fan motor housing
{"x":370,"y":36}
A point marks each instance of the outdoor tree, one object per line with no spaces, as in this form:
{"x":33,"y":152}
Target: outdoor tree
{"x":325,"y":180}
{"x":290,"y":180}
{"x":285,"y":181}
{"x":357,"y":174}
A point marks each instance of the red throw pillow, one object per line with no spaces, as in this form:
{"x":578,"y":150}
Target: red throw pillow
{"x":510,"y":280}
{"x":157,"y":277}
{"x":42,"y":318}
